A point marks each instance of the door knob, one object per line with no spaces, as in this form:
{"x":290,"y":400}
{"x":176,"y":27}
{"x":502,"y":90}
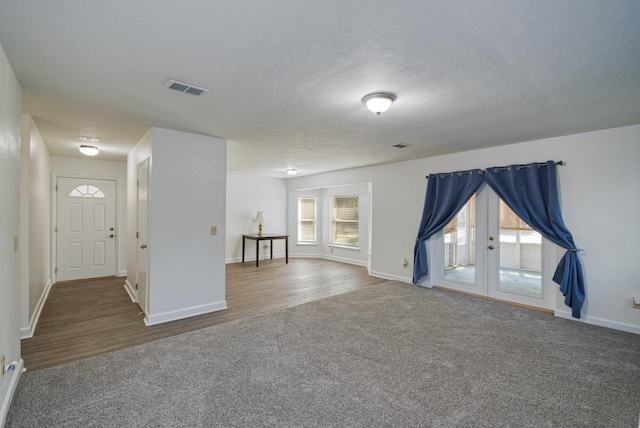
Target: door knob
{"x":112,"y":235}
{"x":111,"y":229}
{"x":491,"y":238}
{"x":490,"y":247}
{"x":143,"y":246}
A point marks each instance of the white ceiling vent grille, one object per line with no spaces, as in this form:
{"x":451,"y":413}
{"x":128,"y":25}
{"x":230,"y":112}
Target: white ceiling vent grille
{"x":187,"y":88}
{"x":401,"y":145}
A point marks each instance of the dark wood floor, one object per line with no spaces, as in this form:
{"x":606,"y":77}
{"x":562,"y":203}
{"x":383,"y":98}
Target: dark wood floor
{"x":83,"y":319}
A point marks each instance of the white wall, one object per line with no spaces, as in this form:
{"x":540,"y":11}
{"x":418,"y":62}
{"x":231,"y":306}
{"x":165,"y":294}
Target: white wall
{"x":246,"y":195}
{"x":10,"y":106}
{"x":35,"y":232}
{"x":323,"y":249}
{"x":187,"y":195}
{"x":64,"y":166}
{"x":599,"y":197}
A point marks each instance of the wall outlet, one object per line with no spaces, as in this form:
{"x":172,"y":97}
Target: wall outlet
{"x":404,"y":262}
{"x":214,"y":230}
{"x":15,"y":244}
{"x":636,"y":302}
{"x":2,"y":363}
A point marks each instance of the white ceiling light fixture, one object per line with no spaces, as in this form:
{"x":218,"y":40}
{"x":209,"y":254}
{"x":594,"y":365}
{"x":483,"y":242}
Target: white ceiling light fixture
{"x":379,"y":102}
{"x":292,"y":171}
{"x":89,"y":150}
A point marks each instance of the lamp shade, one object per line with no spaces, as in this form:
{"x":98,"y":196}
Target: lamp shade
{"x":260,"y":218}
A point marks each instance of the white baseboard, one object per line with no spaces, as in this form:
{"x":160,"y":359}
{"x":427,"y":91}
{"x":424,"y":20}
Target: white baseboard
{"x":27,"y":332}
{"x":328,"y":257}
{"x":630,"y":328}
{"x":307,"y":256}
{"x":133,"y":294}
{"x":122,"y":273}
{"x":391,"y":277}
{"x":13,"y":384}
{"x":344,"y":260}
{"x":302,"y":256}
{"x":185,"y":313}
{"x":253,"y":259}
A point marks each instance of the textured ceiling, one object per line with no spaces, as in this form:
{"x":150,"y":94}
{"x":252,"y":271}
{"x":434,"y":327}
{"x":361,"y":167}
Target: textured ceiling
{"x":287,"y":76}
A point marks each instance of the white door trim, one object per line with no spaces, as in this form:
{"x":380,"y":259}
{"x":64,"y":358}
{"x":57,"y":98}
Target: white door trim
{"x":145,"y":287}
{"x":54,"y":215}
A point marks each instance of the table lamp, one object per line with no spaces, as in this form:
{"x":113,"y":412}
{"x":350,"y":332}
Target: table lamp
{"x":260,"y":218}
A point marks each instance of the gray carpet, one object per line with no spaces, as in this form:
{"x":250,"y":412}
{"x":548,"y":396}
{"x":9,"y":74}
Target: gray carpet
{"x":390,"y":355}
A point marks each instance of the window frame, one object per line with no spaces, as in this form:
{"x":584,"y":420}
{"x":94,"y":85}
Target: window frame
{"x":86,"y":192}
{"x":314,"y":220}
{"x":333,"y":222}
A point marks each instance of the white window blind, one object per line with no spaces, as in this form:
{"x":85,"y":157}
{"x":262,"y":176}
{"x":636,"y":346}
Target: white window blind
{"x":344,"y":221}
{"x":306,"y":219}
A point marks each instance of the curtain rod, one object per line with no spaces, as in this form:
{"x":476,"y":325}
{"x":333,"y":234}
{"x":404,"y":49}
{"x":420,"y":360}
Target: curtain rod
{"x":539,"y":164}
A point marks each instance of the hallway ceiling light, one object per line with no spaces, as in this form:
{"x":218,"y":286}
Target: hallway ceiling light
{"x":379,"y":102}
{"x":89,"y":150}
{"x":292,"y":171}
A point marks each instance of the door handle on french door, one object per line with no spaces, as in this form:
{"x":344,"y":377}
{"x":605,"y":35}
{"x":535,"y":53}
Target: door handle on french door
{"x":490,"y":247}
{"x":143,"y":246}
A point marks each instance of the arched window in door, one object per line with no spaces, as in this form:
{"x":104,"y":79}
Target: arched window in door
{"x":87,"y":191}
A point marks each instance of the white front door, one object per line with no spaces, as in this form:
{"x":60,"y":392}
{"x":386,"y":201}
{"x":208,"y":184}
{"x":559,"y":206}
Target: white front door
{"x":489,"y":251}
{"x":86,"y":228}
{"x":142,"y":234}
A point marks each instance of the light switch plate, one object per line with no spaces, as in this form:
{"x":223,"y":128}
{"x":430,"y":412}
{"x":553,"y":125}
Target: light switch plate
{"x":214,"y":230}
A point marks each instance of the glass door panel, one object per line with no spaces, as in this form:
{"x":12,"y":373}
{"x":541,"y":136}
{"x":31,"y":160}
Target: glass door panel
{"x":520,"y":255}
{"x":459,"y":258}
{"x":489,"y":251}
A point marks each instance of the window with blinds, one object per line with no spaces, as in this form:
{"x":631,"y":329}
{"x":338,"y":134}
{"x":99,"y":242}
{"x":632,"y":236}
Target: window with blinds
{"x":345,"y":221}
{"x":307,"y":220}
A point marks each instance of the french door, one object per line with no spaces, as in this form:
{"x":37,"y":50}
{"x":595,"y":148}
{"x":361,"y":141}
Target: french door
{"x":489,"y":251}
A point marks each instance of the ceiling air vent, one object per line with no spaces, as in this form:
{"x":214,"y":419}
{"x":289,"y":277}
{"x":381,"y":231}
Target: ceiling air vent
{"x":187,"y":88}
{"x":401,"y":145}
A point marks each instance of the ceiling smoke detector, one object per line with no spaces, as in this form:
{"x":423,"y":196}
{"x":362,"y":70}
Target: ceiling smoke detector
{"x":86,"y":139}
{"x":187,"y":88}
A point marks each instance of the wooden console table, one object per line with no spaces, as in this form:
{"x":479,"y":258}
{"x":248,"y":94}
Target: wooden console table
{"x":266,"y":237}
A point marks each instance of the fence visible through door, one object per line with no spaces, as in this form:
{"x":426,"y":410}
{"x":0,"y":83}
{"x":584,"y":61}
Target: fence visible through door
{"x":86,"y":228}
